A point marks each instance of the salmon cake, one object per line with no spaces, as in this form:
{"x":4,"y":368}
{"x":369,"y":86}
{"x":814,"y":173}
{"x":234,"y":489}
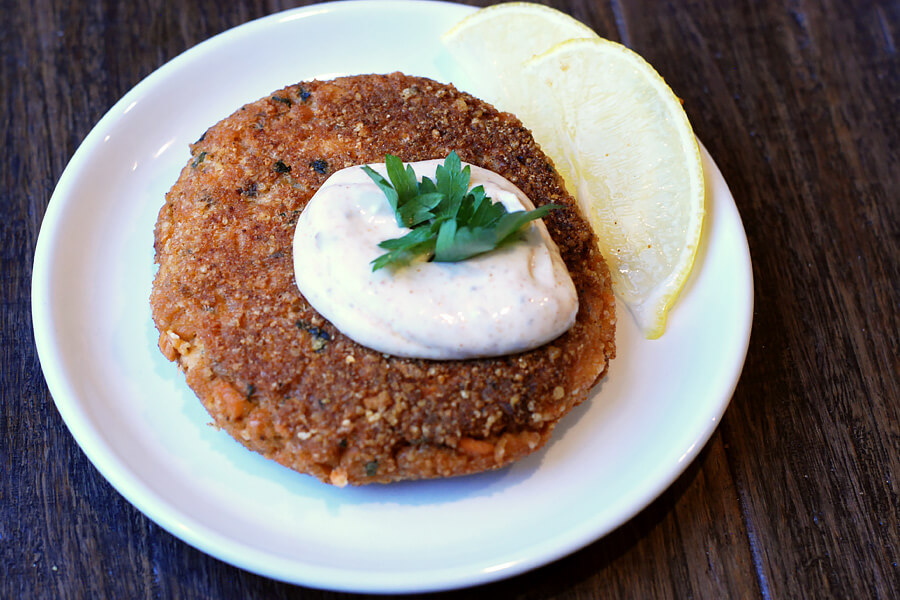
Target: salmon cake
{"x":280,"y":378}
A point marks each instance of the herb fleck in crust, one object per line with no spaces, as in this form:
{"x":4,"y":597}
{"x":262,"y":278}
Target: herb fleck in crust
{"x":275,"y":374}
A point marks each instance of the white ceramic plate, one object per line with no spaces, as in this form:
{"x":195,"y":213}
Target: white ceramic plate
{"x":135,"y":418}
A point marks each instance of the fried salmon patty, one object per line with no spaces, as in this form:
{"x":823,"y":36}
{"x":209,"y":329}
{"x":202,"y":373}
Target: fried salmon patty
{"x":279,"y":377}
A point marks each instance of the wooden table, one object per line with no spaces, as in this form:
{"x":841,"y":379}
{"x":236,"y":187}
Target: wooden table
{"x":796,"y":494}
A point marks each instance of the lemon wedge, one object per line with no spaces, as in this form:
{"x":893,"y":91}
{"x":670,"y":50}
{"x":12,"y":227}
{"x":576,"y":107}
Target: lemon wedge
{"x":625,"y":147}
{"x":617,"y":135}
{"x":491,"y":45}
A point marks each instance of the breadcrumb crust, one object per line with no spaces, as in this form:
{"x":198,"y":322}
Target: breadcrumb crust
{"x":280,"y":378}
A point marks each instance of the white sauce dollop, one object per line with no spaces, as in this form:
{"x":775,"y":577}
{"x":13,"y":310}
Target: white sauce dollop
{"x":512,"y":299}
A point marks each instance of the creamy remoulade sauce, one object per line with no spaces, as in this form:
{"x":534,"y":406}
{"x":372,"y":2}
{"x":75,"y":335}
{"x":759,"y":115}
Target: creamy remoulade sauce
{"x":512,"y":299}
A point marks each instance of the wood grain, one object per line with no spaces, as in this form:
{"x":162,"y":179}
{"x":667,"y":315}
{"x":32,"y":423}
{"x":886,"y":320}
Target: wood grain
{"x":795,"y":496}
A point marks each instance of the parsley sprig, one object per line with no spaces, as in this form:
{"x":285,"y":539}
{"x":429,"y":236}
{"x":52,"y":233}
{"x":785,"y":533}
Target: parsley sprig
{"x":448,"y":221}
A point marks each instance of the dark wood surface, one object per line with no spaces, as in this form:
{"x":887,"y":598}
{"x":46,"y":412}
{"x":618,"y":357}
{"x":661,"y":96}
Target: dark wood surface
{"x":796,"y":494}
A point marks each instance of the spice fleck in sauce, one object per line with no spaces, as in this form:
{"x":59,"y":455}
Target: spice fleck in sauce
{"x":512,"y":299}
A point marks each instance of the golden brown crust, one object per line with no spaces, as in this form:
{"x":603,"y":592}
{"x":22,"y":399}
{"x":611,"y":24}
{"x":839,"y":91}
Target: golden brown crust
{"x":280,"y":378}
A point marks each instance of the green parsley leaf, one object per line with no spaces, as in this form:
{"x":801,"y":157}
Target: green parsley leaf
{"x":419,"y":209}
{"x":448,"y":221}
{"x":385,"y":186}
{"x":405,"y":249}
{"x":404,"y":181}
